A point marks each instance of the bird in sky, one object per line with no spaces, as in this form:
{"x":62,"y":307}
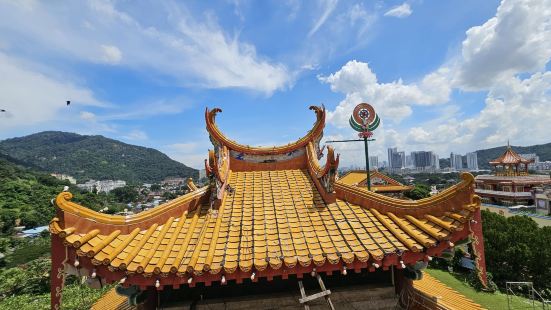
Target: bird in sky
{"x":2,"y":110}
{"x":68,"y":102}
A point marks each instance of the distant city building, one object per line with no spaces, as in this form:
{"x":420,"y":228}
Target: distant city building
{"x":402,"y":159}
{"x":373,"y":162}
{"x":392,"y":153}
{"x":172,"y":181}
{"x":63,"y":177}
{"x":409,"y":162}
{"x":104,"y":186}
{"x":544,"y":165}
{"x":396,"y":160}
{"x":472,"y":161}
{"x":531,"y":156}
{"x":456,"y":161}
{"x":424,"y":160}
{"x":435,"y":162}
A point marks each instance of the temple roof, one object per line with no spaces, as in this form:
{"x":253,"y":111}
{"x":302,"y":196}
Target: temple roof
{"x":510,"y":157}
{"x":266,"y":212}
{"x":380,"y":182}
{"x":271,"y":218}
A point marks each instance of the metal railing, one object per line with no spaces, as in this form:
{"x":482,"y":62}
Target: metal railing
{"x":534,"y":296}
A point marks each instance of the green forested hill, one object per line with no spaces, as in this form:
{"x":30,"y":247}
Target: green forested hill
{"x":93,"y":157}
{"x":484,"y":156}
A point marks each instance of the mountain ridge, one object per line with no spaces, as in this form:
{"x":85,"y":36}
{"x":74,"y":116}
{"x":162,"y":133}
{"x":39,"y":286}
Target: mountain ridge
{"x":93,"y":157}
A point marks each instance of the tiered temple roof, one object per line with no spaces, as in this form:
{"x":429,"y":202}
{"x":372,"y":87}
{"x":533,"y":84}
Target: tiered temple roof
{"x":510,"y":157}
{"x":266,"y":212}
{"x":511,"y":164}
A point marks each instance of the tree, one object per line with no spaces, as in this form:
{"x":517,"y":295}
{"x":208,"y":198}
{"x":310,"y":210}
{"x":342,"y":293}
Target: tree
{"x":517,"y":249}
{"x":420,"y":191}
{"x":7,"y":220}
{"x":125,"y":194}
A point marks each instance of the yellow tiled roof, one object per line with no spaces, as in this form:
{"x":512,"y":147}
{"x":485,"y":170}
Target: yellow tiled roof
{"x":359,"y":178}
{"x":353,"y":177}
{"x":443,"y":295}
{"x":112,"y":301}
{"x":270,"y":218}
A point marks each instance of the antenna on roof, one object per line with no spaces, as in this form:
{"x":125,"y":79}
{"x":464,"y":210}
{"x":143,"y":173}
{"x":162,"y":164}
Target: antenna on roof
{"x":508,"y":146}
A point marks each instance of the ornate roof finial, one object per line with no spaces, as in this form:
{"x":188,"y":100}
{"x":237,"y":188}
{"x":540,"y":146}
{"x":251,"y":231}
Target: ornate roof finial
{"x":508,"y":146}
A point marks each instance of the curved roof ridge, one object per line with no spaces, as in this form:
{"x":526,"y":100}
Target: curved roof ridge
{"x":313,"y":133}
{"x":64,"y":203}
{"x":436,"y":203}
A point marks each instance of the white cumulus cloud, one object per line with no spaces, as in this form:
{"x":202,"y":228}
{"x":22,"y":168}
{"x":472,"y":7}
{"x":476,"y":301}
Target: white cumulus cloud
{"x":516,"y":40}
{"x":393,"y":100}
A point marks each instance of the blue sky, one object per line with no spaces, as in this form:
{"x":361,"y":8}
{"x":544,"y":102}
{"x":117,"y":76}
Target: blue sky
{"x":443,"y":75}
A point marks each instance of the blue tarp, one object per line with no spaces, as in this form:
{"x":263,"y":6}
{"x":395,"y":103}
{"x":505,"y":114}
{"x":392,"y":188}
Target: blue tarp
{"x":34,"y":231}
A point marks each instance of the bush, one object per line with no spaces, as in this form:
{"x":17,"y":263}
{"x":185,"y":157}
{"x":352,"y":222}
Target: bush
{"x":32,"y":278}
{"x":420,"y":191}
{"x":28,"y":250}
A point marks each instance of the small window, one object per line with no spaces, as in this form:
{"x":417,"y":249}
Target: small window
{"x":520,"y":188}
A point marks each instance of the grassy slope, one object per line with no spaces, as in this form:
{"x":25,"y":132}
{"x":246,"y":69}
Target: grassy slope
{"x":491,"y":301}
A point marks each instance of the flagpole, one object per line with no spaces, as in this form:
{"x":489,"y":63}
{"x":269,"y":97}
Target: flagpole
{"x":367,"y":164}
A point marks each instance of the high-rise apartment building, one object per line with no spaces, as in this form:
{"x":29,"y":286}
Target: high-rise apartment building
{"x":456,"y":161}
{"x":373,"y":162}
{"x":472,"y":161}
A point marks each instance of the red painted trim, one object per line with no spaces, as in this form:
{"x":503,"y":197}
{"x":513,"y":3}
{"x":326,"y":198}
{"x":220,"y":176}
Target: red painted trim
{"x":57,"y":274}
{"x":478,"y":246}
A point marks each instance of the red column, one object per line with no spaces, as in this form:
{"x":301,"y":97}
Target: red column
{"x":478,"y":246}
{"x":57,"y":274}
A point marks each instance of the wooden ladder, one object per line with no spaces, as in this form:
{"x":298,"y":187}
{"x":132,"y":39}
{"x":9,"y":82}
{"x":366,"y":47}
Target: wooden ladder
{"x":324,"y":293}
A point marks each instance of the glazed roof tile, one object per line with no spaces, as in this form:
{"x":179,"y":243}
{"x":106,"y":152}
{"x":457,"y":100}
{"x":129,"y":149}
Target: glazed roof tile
{"x":359,"y":178}
{"x":444,"y":296}
{"x":112,"y":301}
{"x":272,"y":218}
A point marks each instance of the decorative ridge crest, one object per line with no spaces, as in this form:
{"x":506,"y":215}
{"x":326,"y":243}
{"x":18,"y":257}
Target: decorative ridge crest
{"x":216,"y":134}
{"x":325,"y":177}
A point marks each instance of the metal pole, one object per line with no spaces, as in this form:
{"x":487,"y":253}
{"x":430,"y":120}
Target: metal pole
{"x":367,"y":164}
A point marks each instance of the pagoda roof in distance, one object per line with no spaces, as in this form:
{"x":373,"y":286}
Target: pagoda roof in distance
{"x":510,"y":157}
